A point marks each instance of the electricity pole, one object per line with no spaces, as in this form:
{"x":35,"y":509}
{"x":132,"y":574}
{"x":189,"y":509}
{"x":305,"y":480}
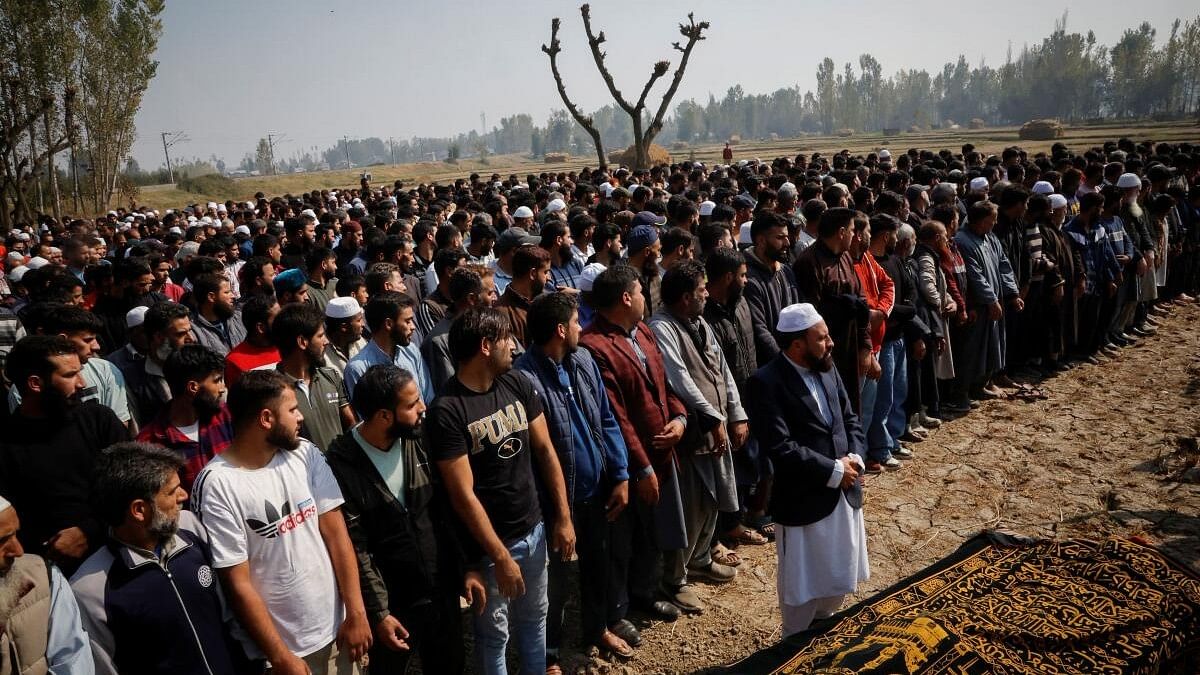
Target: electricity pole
{"x":392,"y":146}
{"x":170,"y":138}
{"x":272,"y":139}
{"x":346,"y":147}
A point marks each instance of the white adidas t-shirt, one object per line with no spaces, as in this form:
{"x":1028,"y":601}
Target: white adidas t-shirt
{"x":268,"y":517}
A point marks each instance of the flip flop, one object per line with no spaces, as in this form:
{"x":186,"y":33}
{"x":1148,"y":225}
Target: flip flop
{"x":725,"y":556}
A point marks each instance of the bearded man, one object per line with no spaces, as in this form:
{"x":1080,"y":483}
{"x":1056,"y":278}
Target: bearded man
{"x":48,"y":449}
{"x":279,"y":542}
{"x":402,"y":533}
{"x":217,"y":323}
{"x":803,"y":418}
{"x":40,"y":628}
{"x":298,"y":332}
{"x":195,"y":424}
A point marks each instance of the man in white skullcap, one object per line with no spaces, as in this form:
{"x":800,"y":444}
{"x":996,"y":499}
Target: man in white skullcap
{"x":344,"y":327}
{"x":802,"y":418}
{"x":40,"y":628}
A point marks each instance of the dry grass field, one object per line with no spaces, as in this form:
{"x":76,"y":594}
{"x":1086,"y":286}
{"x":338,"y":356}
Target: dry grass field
{"x":987,"y":140}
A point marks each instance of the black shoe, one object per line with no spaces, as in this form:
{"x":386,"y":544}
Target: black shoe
{"x":627,"y":632}
{"x":658,"y":609}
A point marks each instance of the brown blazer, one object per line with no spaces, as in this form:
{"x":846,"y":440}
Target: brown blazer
{"x":641,"y":400}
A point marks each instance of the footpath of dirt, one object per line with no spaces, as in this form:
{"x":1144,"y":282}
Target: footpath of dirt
{"x":1112,"y":451}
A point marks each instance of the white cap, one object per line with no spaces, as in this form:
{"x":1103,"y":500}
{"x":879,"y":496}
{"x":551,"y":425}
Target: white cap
{"x":175,"y":230}
{"x":1129,"y":180}
{"x":221,"y":208}
{"x":788,"y":187}
{"x":706,"y":207}
{"x":523,"y":212}
{"x":136,"y":316}
{"x":885,"y":154}
{"x":588,"y":276}
{"x":1058,"y":201}
{"x":344,"y":307}
{"x":17,"y":257}
{"x":744,"y":234}
{"x":555,"y":206}
{"x":309,"y":212}
{"x":797,"y":317}
{"x":4,"y":505}
{"x":22,"y":236}
{"x":979,"y":184}
{"x":1043,"y":188}
{"x":554,"y":185}
{"x":241,"y":229}
{"x":212,"y":205}
{"x":188,"y":249}
{"x":37,"y":262}
{"x":17,"y":273}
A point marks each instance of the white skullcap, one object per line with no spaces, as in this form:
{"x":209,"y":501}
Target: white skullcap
{"x":17,"y":273}
{"x":523,"y":212}
{"x":885,"y":154}
{"x":1057,"y":201}
{"x":242,"y":229}
{"x":175,"y":230}
{"x":1129,"y":180}
{"x":212,"y":205}
{"x":342,"y":308}
{"x":588,"y":276}
{"x":1042,"y":188}
{"x":554,"y":185}
{"x":4,"y":505}
{"x":135,"y":317}
{"x":309,"y":212}
{"x":706,"y":208}
{"x":555,"y":206}
{"x":37,"y":262}
{"x":979,"y":184}
{"x":797,"y":317}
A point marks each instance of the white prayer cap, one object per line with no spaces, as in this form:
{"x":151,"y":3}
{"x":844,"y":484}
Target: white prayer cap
{"x":556,"y":205}
{"x":135,"y":317}
{"x":4,"y":505}
{"x":17,"y":273}
{"x":221,"y":208}
{"x":788,"y":187}
{"x":242,"y":229}
{"x":706,"y":207}
{"x":885,"y":155}
{"x":523,"y":212}
{"x":554,"y":185}
{"x":1129,"y":180}
{"x":1042,"y":188}
{"x":175,"y":230}
{"x":588,"y":277}
{"x":797,"y":317}
{"x":212,"y":205}
{"x":309,"y":212}
{"x":1057,"y":201}
{"x":979,"y":184}
{"x":344,"y":307}
{"x":37,"y":262}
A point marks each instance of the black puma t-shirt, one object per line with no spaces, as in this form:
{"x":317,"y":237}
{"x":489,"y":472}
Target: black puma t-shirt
{"x":492,"y":429}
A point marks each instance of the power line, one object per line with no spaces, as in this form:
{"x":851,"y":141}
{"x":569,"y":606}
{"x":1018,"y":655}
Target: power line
{"x":272,"y":139}
{"x":170,"y":138}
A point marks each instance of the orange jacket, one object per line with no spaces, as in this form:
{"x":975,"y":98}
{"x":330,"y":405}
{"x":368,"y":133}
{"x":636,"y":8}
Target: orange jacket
{"x":880,"y":292}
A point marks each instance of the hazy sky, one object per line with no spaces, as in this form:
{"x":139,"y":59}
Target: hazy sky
{"x":232,"y":70}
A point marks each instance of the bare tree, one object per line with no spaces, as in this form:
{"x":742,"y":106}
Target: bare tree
{"x":643,"y":133}
{"x":584,"y":121}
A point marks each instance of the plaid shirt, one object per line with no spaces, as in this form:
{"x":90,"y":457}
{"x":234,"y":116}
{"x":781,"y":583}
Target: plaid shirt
{"x":215,"y":437}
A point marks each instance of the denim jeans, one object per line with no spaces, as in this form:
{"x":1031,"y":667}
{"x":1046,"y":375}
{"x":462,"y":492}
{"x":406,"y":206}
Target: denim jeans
{"x":897,"y":419}
{"x":891,"y":364}
{"x":527,"y":613}
{"x":869,"y":389}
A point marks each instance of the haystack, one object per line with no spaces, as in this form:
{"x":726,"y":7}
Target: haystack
{"x":734,"y":139}
{"x":628,"y":157}
{"x":977,"y":123}
{"x":1041,"y":130}
{"x":556,"y":158}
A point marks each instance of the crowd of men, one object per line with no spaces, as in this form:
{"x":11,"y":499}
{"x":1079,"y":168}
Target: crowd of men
{"x":303,"y":433}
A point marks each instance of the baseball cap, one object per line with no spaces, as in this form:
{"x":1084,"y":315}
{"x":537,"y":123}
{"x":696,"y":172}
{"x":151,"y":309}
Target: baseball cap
{"x":648,"y":218}
{"x":742,"y":202}
{"x":514,"y":237}
{"x":915,"y":191}
{"x":641,"y":236}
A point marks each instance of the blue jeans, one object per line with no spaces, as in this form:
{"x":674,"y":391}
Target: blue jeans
{"x":892,"y":365}
{"x":897,"y":419}
{"x":526,"y":613}
{"x":868,"y":390}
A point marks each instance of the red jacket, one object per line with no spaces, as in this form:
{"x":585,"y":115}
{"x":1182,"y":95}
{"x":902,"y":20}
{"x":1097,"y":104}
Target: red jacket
{"x":641,"y":400}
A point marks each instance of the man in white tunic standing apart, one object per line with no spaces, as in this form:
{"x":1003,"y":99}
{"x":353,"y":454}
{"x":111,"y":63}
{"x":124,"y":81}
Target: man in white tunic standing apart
{"x":801,"y":416}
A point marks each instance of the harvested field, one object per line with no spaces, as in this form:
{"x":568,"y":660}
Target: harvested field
{"x":991,"y":139}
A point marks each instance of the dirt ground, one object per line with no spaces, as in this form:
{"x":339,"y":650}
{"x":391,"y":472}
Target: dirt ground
{"x":1112,"y":451}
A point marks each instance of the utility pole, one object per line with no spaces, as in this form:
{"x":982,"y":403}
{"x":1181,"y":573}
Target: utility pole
{"x":392,"y":146}
{"x":346,"y":147}
{"x":170,"y":138}
{"x":271,"y":140}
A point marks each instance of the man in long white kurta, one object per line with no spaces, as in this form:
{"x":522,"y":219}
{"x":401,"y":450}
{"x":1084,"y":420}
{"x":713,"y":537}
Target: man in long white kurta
{"x":801,"y":416}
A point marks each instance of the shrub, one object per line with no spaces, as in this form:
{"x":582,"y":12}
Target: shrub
{"x":208,"y":184}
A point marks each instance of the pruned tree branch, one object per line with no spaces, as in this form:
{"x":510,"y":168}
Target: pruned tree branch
{"x":594,"y":41}
{"x":694,"y":32}
{"x":584,"y":121}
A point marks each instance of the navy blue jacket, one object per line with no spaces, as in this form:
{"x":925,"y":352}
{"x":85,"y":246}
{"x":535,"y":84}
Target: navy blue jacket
{"x":146,"y":615}
{"x":589,"y":391}
{"x":788,"y":426}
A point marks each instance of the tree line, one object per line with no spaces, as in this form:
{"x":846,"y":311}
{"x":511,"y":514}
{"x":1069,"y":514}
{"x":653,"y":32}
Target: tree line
{"x":72,"y":77}
{"x":1067,"y":75}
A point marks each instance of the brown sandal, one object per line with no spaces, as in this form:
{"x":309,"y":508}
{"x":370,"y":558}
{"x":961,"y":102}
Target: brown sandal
{"x":725,"y":556}
{"x":744,"y":535}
